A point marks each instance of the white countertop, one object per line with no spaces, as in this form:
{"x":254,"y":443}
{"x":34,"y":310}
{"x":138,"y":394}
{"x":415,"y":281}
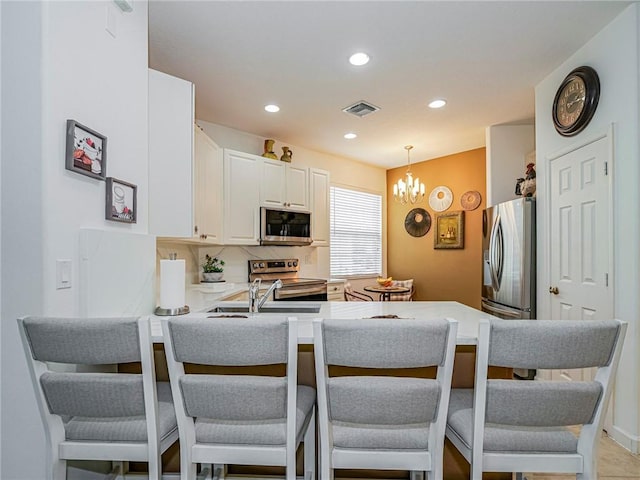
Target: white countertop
{"x":467,"y":317}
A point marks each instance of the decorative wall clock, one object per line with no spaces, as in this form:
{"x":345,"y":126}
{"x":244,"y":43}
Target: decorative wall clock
{"x":470,"y":200}
{"x":440,"y":198}
{"x":576,"y":101}
{"x":417,"y":222}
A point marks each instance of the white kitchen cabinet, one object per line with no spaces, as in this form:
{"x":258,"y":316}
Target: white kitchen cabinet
{"x":208,"y":223}
{"x":335,"y":290}
{"x":284,"y":185}
{"x":319,"y":203}
{"x":171,"y":180}
{"x":242,"y":179}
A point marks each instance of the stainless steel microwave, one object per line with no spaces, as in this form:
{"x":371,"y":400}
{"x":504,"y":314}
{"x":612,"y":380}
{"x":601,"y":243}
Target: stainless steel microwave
{"x":284,"y":227}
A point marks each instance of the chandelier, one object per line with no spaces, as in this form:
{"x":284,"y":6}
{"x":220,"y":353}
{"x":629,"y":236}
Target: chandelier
{"x":408,"y":190}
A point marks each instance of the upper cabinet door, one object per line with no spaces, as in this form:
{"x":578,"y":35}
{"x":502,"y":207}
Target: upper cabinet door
{"x":171,"y":117}
{"x":209,"y":185}
{"x":242,"y":178}
{"x":284,"y":185}
{"x":274,"y":186}
{"x":297,"y":187}
{"x":319,"y":193}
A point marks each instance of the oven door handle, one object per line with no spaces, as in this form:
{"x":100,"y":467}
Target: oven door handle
{"x":297,"y":292}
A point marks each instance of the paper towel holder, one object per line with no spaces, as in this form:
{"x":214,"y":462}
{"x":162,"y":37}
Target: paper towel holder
{"x":160,"y":311}
{"x":172,"y":311}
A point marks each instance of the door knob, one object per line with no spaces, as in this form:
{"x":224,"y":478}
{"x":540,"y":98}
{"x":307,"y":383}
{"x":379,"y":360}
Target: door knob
{"x":554,"y":290}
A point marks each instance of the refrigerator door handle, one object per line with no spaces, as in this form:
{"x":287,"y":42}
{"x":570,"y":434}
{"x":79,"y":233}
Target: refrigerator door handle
{"x":495,"y":254}
{"x":503,"y":312}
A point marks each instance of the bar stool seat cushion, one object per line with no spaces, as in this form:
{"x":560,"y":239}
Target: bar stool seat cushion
{"x":257,"y":432}
{"x":125,"y":429}
{"x":383,"y":437}
{"x":504,"y":438}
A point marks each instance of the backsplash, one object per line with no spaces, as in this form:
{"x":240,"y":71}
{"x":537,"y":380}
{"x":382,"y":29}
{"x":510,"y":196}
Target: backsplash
{"x":314,"y":261}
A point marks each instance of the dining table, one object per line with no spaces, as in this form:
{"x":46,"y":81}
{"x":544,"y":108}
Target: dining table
{"x":385,"y":292}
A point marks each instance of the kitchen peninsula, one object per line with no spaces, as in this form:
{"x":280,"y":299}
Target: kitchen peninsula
{"x":455,"y":466}
{"x":467,"y":317}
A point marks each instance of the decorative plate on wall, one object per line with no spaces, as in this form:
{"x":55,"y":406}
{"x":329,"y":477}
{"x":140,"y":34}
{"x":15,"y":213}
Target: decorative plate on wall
{"x":440,"y":198}
{"x":417,"y":222}
{"x":470,"y":200}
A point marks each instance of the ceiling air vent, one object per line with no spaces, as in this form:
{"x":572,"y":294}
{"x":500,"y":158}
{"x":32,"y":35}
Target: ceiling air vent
{"x":360,"y":109}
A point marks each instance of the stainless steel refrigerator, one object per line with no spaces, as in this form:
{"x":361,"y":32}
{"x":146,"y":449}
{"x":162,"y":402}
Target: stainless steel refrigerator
{"x":509,"y":259}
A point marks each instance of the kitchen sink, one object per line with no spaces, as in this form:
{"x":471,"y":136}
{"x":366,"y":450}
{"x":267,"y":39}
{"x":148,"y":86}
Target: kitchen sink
{"x":313,"y":308}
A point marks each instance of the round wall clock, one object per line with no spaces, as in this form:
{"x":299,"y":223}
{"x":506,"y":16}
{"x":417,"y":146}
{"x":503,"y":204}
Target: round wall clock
{"x":576,"y":101}
{"x":470,"y":200}
{"x":440,"y":198}
{"x":417,"y":222}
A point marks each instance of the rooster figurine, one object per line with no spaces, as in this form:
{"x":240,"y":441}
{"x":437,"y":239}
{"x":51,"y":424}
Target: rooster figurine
{"x":528,"y":187}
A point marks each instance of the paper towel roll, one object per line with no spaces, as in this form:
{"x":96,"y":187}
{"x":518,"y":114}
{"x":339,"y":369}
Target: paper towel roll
{"x":172,"y":283}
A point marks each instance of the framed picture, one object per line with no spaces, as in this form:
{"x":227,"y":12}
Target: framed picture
{"x":449,"y":231}
{"x":86,"y":151}
{"x":121,"y":201}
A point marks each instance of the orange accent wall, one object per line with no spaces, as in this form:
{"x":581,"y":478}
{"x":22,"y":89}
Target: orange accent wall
{"x":443,"y":274}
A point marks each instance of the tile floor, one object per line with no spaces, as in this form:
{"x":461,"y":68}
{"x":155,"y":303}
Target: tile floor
{"x":614,"y":462}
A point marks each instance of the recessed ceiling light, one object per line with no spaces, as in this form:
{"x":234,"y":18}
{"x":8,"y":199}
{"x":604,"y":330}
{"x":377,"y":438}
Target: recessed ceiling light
{"x":350,"y":136}
{"x":438,"y":103}
{"x":272,"y":108}
{"x":359,"y":59}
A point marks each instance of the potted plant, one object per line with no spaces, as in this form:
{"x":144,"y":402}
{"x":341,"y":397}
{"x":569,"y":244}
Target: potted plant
{"x":212,"y":269}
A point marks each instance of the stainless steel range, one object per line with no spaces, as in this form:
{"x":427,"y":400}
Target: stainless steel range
{"x":293,"y":287}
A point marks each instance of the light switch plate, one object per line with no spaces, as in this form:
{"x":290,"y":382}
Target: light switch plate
{"x":63,"y":274}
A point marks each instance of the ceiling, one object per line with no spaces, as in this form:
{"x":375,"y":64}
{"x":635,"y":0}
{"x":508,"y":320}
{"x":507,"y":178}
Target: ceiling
{"x":485,"y":58}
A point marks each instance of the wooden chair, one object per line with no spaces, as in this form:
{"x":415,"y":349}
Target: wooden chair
{"x":521,"y":426}
{"x":383,"y":422}
{"x":239,"y":419}
{"x":98,"y":416}
{"x":351,"y":295}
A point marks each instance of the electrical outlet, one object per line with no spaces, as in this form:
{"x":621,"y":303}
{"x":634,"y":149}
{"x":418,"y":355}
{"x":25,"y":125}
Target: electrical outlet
{"x":307,"y":259}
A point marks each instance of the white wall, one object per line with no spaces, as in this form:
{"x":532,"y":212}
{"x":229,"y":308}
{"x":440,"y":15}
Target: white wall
{"x":0,"y":221}
{"x":62,"y":65}
{"x":112,"y":99}
{"x":507,"y":147}
{"x":22,"y":234}
{"x":614,"y":53}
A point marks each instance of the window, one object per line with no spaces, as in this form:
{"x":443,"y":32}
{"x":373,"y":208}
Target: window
{"x":356,"y":233}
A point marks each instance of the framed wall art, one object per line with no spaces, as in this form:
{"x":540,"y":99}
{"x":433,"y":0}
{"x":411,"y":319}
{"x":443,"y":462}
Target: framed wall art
{"x":86,"y":151}
{"x":121,"y":201}
{"x":449,"y":230}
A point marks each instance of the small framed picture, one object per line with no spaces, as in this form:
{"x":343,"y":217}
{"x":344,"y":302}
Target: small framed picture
{"x":449,"y":232}
{"x":121,"y":201}
{"x":86,"y":151}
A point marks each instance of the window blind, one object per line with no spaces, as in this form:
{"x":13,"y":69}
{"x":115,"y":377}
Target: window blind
{"x":356,"y":232}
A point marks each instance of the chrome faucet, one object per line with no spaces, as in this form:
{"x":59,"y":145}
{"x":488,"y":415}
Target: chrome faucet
{"x":255,"y":301}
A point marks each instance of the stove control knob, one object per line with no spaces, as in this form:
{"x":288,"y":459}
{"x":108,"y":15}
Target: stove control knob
{"x":255,"y":265}
{"x":295,"y":264}
{"x":261,"y":265}
{"x":289,"y":264}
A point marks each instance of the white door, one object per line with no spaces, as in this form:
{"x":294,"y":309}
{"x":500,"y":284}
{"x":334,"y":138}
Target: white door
{"x":580,"y":237}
